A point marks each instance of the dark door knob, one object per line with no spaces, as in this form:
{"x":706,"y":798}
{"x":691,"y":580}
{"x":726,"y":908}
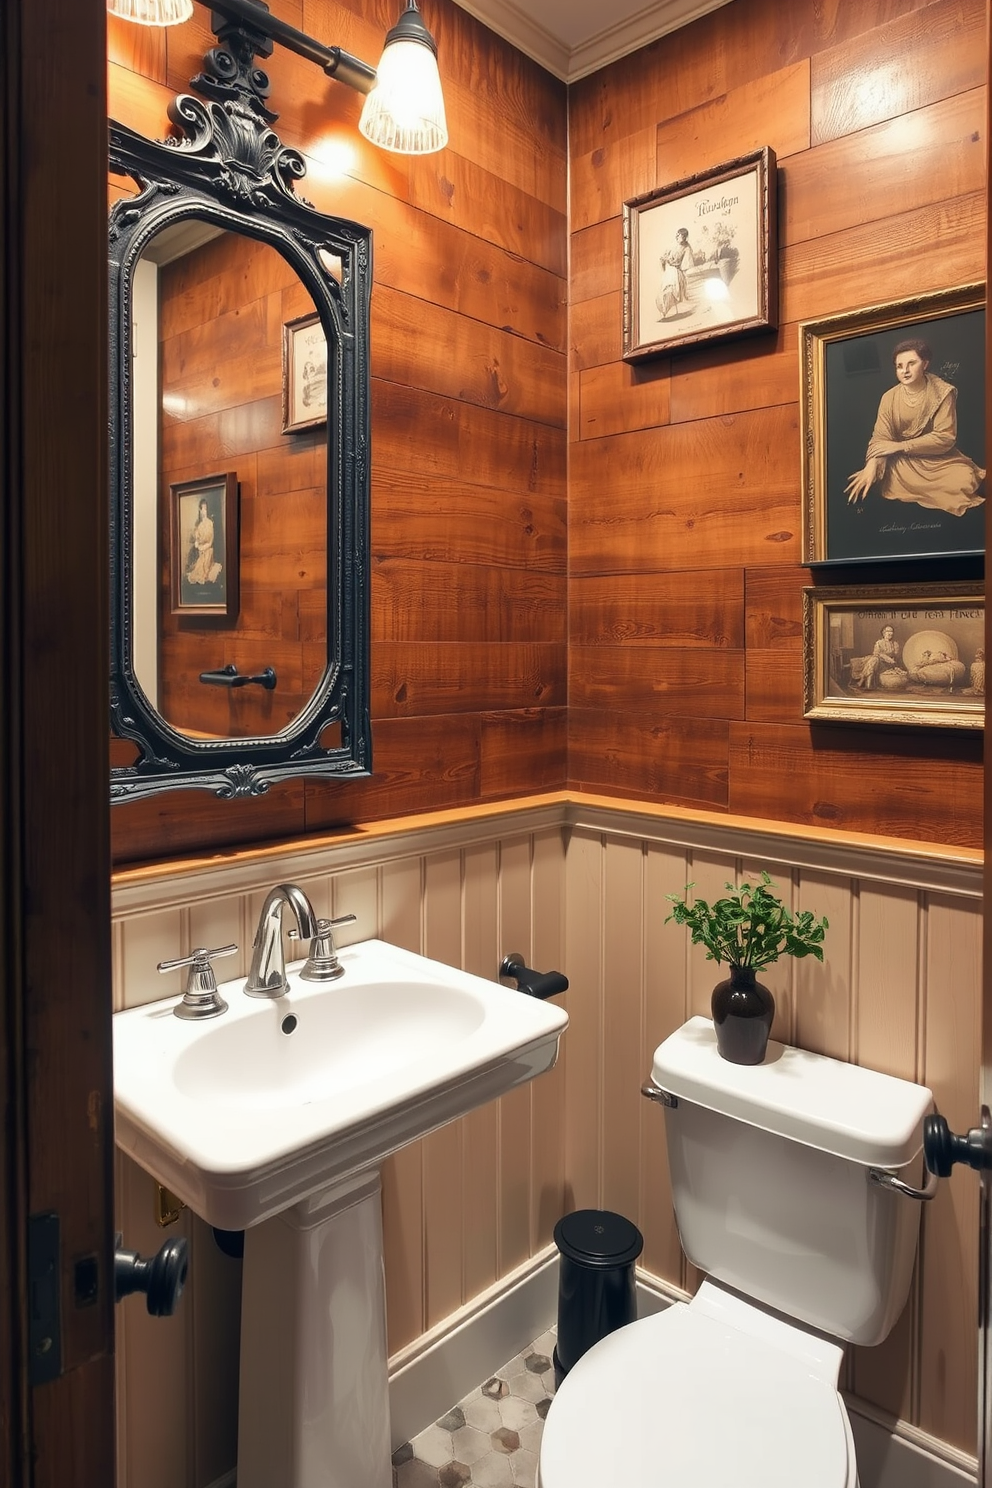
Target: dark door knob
{"x":161,"y":1276}
{"x":942,"y":1149}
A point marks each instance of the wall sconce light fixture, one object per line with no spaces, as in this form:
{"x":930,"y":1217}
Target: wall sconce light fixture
{"x":405,"y":110}
{"x":404,"y":105}
{"x":152,"y":12}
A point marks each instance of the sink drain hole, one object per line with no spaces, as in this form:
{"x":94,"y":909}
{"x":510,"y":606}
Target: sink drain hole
{"x":289,"y":1023}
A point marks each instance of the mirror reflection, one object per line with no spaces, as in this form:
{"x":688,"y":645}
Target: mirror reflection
{"x":230,"y":441}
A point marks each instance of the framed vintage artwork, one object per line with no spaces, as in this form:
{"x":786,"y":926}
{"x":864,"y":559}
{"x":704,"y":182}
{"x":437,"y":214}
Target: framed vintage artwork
{"x":700,"y":260}
{"x":893,"y":430}
{"x":899,"y":654}
{"x":304,"y":374}
{"x":203,"y":548}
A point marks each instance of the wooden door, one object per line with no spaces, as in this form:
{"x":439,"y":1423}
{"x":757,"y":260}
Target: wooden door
{"x":55,"y":1067}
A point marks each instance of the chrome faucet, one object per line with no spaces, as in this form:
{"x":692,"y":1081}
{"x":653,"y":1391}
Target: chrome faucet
{"x":267,"y":976}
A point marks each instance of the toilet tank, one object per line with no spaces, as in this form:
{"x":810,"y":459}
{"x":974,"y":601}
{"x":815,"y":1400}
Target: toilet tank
{"x":769,"y":1168}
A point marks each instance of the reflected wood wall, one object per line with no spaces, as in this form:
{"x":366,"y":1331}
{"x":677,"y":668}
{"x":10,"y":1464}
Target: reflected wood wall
{"x":685,"y":638}
{"x":222,"y":309}
{"x":468,"y":419}
{"x":577,"y":883}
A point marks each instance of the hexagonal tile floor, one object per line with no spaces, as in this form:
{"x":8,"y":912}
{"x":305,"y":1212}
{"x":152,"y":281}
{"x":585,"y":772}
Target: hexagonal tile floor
{"x":492,"y":1437}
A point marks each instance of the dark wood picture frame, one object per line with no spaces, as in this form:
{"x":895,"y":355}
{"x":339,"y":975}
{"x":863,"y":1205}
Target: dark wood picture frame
{"x":700,"y":258}
{"x":850,"y":397}
{"x":895,"y":654}
{"x":304,"y":374}
{"x":204,"y":548}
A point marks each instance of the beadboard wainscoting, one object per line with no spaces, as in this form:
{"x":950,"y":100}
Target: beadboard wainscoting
{"x":578,"y":883}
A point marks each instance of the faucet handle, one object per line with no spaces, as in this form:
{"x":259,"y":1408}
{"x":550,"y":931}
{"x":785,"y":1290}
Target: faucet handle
{"x":201,"y":998}
{"x":322,"y":963}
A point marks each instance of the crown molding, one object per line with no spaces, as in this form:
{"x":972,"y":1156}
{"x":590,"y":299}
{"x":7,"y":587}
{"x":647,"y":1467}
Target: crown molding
{"x":510,"y":22}
{"x":571,"y":63}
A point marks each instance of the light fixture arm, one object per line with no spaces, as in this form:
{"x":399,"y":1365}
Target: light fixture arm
{"x":256,"y":18}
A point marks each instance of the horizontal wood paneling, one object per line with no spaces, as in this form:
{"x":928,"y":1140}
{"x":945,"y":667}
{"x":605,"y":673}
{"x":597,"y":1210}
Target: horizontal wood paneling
{"x":936,"y":153}
{"x":651,"y":755}
{"x":681,"y":609}
{"x":688,"y":464}
{"x":690,"y":683}
{"x":846,"y":779}
{"x":695,"y":495}
{"x":469,"y":393}
{"x":463,"y":602}
{"x":932,"y":52}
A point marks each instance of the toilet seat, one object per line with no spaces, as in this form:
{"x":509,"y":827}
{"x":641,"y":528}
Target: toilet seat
{"x":685,"y":1399}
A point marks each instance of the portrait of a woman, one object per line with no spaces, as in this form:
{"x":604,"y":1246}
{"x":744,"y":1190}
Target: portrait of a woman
{"x":885,"y":659}
{"x":912,"y":455}
{"x":200,"y":569}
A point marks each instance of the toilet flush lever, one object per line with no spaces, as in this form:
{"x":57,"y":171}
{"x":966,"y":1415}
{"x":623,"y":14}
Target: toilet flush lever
{"x":884,"y":1179}
{"x":654,"y":1092}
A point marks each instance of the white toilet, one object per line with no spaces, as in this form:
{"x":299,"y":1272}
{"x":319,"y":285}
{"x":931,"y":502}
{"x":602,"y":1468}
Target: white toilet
{"x":803,"y":1253}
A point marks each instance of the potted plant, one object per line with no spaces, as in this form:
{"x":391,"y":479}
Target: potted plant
{"x":749,"y":929}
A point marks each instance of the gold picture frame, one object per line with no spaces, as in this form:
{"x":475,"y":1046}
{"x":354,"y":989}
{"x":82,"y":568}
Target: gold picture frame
{"x":862,"y":506}
{"x":902,"y":654}
{"x":700,"y":258}
{"x":304,"y":374}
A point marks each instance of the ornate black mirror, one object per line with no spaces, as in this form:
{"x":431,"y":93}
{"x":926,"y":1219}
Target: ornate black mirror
{"x":239,"y":453}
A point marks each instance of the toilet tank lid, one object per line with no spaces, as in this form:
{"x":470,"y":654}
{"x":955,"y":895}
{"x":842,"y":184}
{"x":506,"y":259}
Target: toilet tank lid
{"x":853,"y":1112}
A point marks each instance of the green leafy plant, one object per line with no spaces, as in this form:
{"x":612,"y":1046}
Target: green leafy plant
{"x":751,"y":927}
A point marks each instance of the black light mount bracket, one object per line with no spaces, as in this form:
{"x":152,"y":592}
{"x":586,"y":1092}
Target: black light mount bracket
{"x":248,"y":26}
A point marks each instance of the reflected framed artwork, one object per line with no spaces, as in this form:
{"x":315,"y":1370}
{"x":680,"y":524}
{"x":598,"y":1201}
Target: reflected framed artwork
{"x":304,"y":374}
{"x":893,"y":430}
{"x":901,"y":654}
{"x":204,"y":562}
{"x":700,"y":259}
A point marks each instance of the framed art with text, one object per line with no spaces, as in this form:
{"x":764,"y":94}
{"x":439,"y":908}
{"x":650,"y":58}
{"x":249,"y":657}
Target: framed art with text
{"x":700,"y":260}
{"x":900,"y":654}
{"x":304,"y":374}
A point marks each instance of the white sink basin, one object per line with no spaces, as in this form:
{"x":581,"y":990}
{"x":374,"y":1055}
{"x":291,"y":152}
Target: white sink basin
{"x":244,"y":1115}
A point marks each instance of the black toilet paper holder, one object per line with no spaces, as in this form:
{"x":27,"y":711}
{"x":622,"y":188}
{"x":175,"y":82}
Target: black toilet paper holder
{"x":534,"y":983}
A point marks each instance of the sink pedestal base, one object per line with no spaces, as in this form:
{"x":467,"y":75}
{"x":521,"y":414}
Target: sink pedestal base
{"x":314,"y":1404}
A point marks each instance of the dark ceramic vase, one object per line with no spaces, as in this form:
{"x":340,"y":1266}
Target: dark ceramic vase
{"x":743,"y":1010}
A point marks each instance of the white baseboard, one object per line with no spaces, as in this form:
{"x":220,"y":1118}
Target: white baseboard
{"x":434,"y":1373}
{"x":897,"y":1455}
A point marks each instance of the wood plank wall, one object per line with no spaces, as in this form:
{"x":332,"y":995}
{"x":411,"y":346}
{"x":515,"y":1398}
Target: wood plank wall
{"x":685,"y":646}
{"x":222,"y":309}
{"x":468,"y":419}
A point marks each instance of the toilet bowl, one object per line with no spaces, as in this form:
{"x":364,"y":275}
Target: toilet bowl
{"x":792,"y":1187}
{"x":702,"y":1395}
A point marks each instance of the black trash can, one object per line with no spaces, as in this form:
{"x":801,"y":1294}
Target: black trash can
{"x":596,"y":1292}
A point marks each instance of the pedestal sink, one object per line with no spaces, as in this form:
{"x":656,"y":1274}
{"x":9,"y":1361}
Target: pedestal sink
{"x":274,"y":1118}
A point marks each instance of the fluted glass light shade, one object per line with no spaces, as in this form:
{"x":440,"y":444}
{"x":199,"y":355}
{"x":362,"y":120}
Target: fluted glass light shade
{"x":152,"y":12}
{"x":405,"y":110}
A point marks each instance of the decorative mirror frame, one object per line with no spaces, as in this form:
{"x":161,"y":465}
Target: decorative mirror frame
{"x":232,"y":170}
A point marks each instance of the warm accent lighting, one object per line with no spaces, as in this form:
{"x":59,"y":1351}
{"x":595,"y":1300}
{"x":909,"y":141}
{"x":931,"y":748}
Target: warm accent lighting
{"x":152,"y":12}
{"x":405,"y":110}
{"x":404,"y":106}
